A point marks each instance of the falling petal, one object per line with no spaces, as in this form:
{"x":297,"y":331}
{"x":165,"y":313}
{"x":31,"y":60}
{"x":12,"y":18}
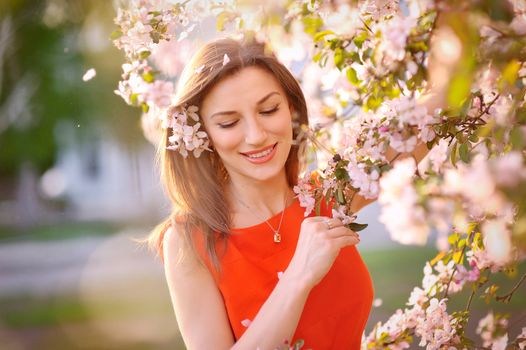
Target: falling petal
{"x":246,"y":322}
{"x":377,"y":302}
{"x":226,"y":59}
{"x":200,"y":69}
{"x":90,"y":74}
{"x":182,"y":36}
{"x":280,"y":274}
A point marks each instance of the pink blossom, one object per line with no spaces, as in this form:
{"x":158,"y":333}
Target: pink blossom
{"x":188,"y":138}
{"x":159,"y":93}
{"x":401,"y":144}
{"x":435,"y":330}
{"x":304,"y":193}
{"x":170,"y":56}
{"x":367,"y":183}
{"x":509,"y":169}
{"x":518,"y":24}
{"x":522,"y":343}
{"x":341,"y":213}
{"x":345,"y":20}
{"x":394,"y":38}
{"x":481,"y":259}
{"x":500,"y":110}
{"x":420,"y":7}
{"x":438,"y":155}
{"x":490,"y":329}
{"x":418,"y":297}
{"x":489,"y":34}
{"x":379,"y":9}
{"x":497,"y":240}
{"x":440,"y":212}
{"x":405,"y":221}
{"x":463,"y":275}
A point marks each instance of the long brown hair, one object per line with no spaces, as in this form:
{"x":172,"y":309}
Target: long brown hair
{"x":195,"y":186}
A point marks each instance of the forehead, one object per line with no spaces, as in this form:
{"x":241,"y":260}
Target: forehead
{"x":247,"y":86}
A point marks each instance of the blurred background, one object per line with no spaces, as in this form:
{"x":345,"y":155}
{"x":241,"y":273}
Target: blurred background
{"x":78,"y":183}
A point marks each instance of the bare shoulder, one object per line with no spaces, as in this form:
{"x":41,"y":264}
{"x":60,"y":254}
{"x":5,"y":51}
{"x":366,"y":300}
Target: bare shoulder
{"x":196,"y":299}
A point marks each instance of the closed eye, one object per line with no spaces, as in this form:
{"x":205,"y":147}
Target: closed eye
{"x":231,"y":124}
{"x":271,"y":111}
{"x":227,"y":125}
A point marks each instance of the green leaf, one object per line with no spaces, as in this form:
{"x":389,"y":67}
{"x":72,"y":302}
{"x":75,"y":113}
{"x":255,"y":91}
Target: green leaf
{"x":355,"y":57}
{"x":148,"y":77}
{"x":352,"y":76}
{"x":312,"y":24}
{"x":341,"y":174}
{"x":320,"y":35}
{"x":359,"y":39}
{"x":454,"y":154}
{"x":318,"y":207}
{"x":145,"y":107}
{"x":356,"y":227}
{"x":134,"y":98}
{"x":459,"y":90}
{"x":144,"y":55}
{"x":299,"y":344}
{"x":386,"y":167}
{"x":458,"y":257}
{"x":339,"y":57}
{"x":516,"y":138}
{"x":222,"y":18}
{"x":373,"y":102}
{"x":339,"y":196}
{"x":463,"y":151}
{"x":473,"y":138}
{"x":116,"y":34}
{"x":510,"y":73}
{"x":317,"y":56}
{"x":453,"y":238}
{"x":430,"y":144}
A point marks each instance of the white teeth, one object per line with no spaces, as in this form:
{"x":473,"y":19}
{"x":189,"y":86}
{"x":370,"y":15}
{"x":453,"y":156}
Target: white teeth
{"x":261,"y":154}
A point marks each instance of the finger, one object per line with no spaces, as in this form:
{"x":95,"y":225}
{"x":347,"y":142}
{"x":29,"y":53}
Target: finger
{"x":318,"y":218}
{"x":345,"y":241}
{"x":333,"y":223}
{"x":340,"y":232}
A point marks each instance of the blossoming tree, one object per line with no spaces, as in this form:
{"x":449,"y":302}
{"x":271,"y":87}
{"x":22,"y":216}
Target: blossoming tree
{"x":367,"y":69}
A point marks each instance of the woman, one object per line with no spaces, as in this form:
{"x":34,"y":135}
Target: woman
{"x":244,"y":267}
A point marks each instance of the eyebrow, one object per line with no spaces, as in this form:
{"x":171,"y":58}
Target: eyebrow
{"x":259,"y":102}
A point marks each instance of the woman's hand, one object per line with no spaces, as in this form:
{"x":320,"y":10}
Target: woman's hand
{"x":319,"y":243}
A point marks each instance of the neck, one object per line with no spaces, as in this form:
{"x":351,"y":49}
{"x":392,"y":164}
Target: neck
{"x":264,"y":197}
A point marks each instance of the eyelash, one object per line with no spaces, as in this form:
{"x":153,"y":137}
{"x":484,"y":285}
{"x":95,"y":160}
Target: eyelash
{"x":269,"y":112}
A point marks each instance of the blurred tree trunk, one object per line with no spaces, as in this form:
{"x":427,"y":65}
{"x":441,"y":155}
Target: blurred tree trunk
{"x":29,"y":209}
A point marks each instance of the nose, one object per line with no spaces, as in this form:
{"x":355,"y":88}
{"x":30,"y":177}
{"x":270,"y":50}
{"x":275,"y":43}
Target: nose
{"x":255,"y":133}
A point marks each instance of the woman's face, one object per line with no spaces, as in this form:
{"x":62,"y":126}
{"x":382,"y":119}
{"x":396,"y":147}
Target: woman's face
{"x":249,"y":123}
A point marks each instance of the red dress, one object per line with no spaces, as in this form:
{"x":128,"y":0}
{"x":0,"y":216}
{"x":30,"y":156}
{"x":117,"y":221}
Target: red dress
{"x":336,"y":309}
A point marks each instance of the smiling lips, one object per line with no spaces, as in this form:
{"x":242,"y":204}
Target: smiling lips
{"x":261,"y":155}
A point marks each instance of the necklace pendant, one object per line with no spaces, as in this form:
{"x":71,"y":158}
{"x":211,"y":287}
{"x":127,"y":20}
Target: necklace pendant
{"x":277,"y":237}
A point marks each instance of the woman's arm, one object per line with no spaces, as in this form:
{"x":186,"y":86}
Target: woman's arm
{"x":201,"y":314}
{"x":431,"y":101}
{"x":278,"y":318}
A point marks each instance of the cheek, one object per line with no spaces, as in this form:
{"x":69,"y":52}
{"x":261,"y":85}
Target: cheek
{"x":224,"y":140}
{"x":283,"y":125}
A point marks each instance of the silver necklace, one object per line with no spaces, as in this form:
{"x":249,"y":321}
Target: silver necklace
{"x":277,"y":236}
